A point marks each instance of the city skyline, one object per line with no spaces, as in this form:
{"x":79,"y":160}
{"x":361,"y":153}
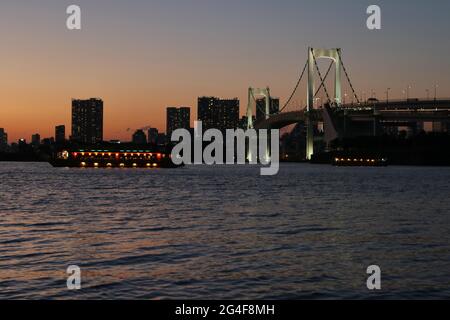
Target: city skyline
{"x":155,"y":54}
{"x":224,"y":158}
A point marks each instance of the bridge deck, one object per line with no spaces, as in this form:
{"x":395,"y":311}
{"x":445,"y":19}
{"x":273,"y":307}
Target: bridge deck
{"x":412,"y":110}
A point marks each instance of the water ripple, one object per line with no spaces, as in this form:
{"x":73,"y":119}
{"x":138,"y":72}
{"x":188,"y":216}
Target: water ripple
{"x":224,"y":232}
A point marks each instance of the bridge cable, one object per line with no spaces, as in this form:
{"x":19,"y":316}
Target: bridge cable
{"x":326,"y":75}
{"x":348,"y":78}
{"x":295,"y":89}
{"x":321,"y":79}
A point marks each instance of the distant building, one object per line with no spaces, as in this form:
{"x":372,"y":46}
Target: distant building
{"x":218,"y":113}
{"x":177,"y":118}
{"x":162,"y":139}
{"x":3,"y":140}
{"x":22,"y":145}
{"x":48,"y":141}
{"x":14,"y":147}
{"x":139,"y":137}
{"x":60,"y":134}
{"x":87,"y":121}
{"x":152,"y":136}
{"x":36,"y":139}
{"x":261,"y":107}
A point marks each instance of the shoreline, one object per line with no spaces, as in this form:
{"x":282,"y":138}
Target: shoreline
{"x":281,"y":162}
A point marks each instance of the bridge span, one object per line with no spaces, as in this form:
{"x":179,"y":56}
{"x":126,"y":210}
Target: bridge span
{"x":341,"y":119}
{"x":400,"y":111}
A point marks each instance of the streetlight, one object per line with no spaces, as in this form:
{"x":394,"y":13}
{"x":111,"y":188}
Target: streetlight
{"x":387,"y":95}
{"x":317,"y":102}
{"x":407,"y":92}
{"x":435,"y":91}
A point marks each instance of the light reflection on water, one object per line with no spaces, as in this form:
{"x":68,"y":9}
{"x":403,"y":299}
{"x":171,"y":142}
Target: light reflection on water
{"x":224,"y":232}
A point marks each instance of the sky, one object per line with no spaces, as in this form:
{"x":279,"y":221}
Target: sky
{"x":143,"y":56}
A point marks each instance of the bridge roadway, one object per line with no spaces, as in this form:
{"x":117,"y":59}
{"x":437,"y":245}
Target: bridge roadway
{"x":400,"y":111}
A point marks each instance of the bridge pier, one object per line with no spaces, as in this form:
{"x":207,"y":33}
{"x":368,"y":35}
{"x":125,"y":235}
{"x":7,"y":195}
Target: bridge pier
{"x":309,"y":136}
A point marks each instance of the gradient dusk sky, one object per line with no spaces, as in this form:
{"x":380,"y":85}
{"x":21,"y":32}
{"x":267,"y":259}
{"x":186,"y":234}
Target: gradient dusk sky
{"x":142,"y":56}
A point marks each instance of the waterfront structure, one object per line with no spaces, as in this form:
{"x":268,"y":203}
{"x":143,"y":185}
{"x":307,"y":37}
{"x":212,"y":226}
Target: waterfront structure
{"x":87,"y":121}
{"x":162,"y":139}
{"x":216,"y":113}
{"x":152,"y":136}
{"x":177,"y":118}
{"x":139,"y":137}
{"x":60,"y":134}
{"x":3,"y":139}
{"x":36,"y":139}
{"x":48,"y":141}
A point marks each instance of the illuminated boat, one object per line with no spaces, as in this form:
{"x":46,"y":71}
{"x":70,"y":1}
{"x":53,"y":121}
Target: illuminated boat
{"x":109,"y":158}
{"x":360,"y":162}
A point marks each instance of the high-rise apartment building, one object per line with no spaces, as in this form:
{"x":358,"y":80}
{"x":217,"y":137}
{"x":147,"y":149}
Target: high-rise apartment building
{"x":218,"y":113}
{"x":177,"y":118}
{"x":3,"y":139}
{"x":60,"y":134}
{"x":152,"y":136}
{"x":87,"y":121}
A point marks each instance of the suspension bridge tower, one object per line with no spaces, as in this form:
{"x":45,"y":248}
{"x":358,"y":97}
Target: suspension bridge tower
{"x":253,"y":93}
{"x":313,"y":55}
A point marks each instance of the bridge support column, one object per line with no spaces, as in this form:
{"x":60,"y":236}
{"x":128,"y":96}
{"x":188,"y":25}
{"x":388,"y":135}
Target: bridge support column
{"x":309,"y":137}
{"x":310,"y":106}
{"x":252,"y":93}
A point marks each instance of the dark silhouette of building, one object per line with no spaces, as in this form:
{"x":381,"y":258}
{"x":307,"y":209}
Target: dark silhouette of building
{"x":218,"y":113}
{"x":22,"y":145}
{"x":36,"y":139}
{"x":3,"y":140}
{"x":162,"y":139}
{"x":48,"y":141}
{"x":60,"y":134}
{"x":87,"y":121}
{"x":139,"y":137}
{"x":261,"y":107}
{"x":177,"y":118}
{"x":152,"y":136}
